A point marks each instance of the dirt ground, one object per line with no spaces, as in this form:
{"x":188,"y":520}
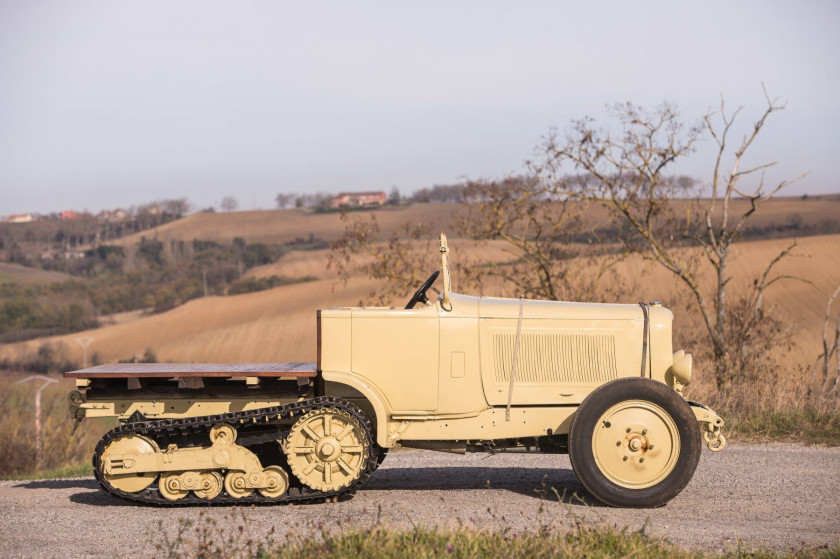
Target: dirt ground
{"x":778,"y":496}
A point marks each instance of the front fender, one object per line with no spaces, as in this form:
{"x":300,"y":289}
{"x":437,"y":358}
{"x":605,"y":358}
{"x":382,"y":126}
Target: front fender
{"x":372,"y":394}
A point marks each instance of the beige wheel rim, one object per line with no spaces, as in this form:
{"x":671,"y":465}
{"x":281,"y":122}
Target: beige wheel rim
{"x":276,"y":481}
{"x":236,"y":485}
{"x":327,"y":449}
{"x":636,"y":444}
{"x":130,"y":444}
{"x":170,"y":486}
{"x":211,"y":484}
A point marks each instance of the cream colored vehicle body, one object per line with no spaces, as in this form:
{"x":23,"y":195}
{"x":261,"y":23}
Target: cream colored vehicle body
{"x":442,"y":372}
{"x":433,"y":374}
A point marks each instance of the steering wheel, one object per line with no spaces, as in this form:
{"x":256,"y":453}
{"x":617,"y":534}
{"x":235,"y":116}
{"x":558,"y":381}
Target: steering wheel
{"x":420,"y":295}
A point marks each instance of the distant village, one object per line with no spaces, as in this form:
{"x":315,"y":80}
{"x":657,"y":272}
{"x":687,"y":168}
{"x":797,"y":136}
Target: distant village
{"x":319,"y":201}
{"x":342,"y":200}
{"x":105,"y":216}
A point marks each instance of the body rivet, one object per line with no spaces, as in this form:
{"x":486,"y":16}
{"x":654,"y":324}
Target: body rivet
{"x":625,"y":459}
{"x":641,"y":460}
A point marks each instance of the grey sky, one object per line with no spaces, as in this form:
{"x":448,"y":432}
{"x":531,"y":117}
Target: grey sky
{"x":106,"y":104}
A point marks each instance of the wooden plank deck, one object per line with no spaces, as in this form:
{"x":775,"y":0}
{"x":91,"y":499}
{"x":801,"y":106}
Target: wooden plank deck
{"x":187,"y":370}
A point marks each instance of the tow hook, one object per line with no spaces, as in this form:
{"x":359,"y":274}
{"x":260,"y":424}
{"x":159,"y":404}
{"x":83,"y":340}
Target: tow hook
{"x":711,"y":425}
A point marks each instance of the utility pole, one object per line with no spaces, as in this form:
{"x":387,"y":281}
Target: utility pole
{"x":47,"y":381}
{"x":84,"y":342}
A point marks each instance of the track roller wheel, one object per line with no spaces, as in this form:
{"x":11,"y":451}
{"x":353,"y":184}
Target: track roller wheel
{"x":210,"y":484}
{"x":170,"y":486}
{"x":236,"y":485}
{"x":276,"y":482}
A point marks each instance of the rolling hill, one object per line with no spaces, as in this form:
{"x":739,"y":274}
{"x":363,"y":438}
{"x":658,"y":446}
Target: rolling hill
{"x":279,"y":324}
{"x":281,"y":226}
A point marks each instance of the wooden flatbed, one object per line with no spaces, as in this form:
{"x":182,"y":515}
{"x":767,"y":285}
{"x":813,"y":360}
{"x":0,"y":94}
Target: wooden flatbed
{"x":192,"y":370}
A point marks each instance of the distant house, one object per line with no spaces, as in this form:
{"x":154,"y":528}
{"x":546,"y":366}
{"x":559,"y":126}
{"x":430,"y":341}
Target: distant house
{"x":73,"y":254}
{"x":68,"y":214}
{"x":111,"y":215}
{"x":359,"y":200}
{"x":20,"y":218}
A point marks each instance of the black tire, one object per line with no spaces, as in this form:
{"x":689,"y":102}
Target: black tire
{"x":637,"y":394}
{"x":382,"y":453}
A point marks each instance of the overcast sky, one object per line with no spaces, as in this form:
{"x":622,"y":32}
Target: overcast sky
{"x":107,"y":104}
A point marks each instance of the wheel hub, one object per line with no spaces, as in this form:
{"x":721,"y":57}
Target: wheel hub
{"x":328,"y":449}
{"x":636,"y":444}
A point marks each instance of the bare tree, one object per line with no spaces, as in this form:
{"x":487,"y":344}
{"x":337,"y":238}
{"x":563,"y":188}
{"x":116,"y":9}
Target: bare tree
{"x":177,"y":207}
{"x":394,"y":196}
{"x":229,"y":204}
{"x":827,"y":362}
{"x":628,"y":174}
{"x":555,"y":254}
{"x":285,"y":200}
{"x":400,"y":262}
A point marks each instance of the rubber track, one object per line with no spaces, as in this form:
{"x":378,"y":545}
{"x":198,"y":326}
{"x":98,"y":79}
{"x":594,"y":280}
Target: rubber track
{"x":279,"y":415}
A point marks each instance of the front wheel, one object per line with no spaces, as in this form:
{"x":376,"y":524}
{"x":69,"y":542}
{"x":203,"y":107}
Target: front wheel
{"x":634,"y":442}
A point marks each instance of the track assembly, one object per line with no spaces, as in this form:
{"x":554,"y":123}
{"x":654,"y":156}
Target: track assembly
{"x":328,"y":443}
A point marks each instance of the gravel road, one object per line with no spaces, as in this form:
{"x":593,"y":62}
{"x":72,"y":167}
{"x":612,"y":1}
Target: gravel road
{"x":778,"y":496}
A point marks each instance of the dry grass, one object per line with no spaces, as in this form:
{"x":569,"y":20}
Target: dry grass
{"x":773,"y":405}
{"x":566,"y":537}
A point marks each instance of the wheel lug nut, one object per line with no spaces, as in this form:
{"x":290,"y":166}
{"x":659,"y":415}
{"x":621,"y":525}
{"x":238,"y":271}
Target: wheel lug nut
{"x":641,"y":460}
{"x":607,"y":424}
{"x":644,"y":431}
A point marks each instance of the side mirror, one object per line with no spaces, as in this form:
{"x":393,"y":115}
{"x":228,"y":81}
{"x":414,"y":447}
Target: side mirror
{"x":446,"y":303}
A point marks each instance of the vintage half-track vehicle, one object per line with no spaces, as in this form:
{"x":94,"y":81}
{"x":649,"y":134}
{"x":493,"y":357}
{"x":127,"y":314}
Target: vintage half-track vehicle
{"x":457,"y":374}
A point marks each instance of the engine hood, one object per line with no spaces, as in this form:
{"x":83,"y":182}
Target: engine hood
{"x":497,"y":307}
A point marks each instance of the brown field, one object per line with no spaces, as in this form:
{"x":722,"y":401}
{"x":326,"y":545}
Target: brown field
{"x":21,"y":274}
{"x":800,"y":305}
{"x":279,"y":226}
{"x":279,"y":324}
{"x":297,"y":264}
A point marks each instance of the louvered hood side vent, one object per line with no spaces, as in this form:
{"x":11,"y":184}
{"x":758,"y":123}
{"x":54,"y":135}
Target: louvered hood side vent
{"x":555,"y":357}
